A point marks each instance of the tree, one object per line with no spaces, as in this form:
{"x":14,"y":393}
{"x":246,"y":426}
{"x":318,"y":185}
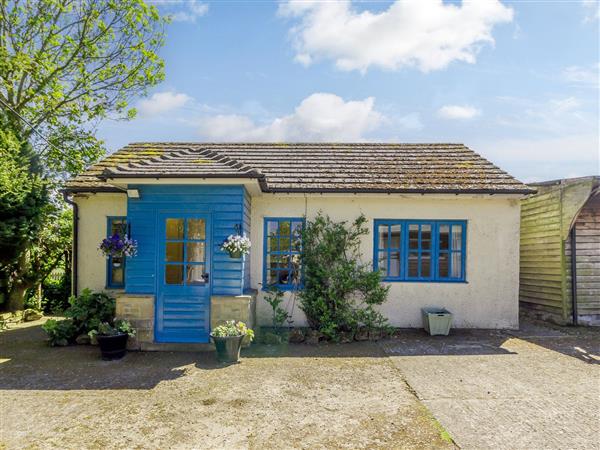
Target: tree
{"x":65,"y":64}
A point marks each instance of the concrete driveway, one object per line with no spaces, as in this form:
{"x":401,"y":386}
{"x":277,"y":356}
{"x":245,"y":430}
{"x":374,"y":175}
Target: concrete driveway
{"x":538,"y":388}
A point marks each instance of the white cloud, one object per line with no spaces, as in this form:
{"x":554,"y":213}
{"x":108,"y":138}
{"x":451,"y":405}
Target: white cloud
{"x":582,"y":75}
{"x":592,"y":10}
{"x":427,"y":34}
{"x":162,"y":102}
{"x":460,"y":112}
{"x":319,"y":117}
{"x":183,"y":10}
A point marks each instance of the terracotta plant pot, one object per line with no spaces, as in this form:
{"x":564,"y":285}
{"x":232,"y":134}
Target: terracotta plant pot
{"x":228,"y":347}
{"x":112,"y":347}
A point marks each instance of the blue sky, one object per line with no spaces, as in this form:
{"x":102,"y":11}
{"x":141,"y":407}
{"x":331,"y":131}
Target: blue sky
{"x":516,"y":81}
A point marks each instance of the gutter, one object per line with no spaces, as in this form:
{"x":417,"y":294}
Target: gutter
{"x":74,"y":259}
{"x":573,"y":237}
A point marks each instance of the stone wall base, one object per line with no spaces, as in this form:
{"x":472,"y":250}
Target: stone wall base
{"x":139,"y":310}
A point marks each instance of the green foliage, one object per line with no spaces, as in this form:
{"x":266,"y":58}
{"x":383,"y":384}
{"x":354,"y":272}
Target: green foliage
{"x":274,"y":297}
{"x":56,"y":292}
{"x":233,"y":328}
{"x":65,"y":64}
{"x":90,"y":309}
{"x":23,"y":195}
{"x":60,"y":332}
{"x":340,"y":292}
{"x":119,"y":327}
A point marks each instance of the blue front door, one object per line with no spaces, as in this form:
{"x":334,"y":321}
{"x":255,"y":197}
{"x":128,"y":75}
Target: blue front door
{"x":183,"y":300}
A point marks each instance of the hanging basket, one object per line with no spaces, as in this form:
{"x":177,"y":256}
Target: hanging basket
{"x":236,"y":255}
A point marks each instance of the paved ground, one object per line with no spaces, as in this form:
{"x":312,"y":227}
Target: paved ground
{"x":538,"y":388}
{"x":335,"y":396}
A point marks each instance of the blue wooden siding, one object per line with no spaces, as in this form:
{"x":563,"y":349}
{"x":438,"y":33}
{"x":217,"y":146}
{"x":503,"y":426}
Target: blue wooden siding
{"x":246,"y":229}
{"x":225,"y":204}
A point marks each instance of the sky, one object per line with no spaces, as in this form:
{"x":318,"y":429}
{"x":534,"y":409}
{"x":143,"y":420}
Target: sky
{"x":518,"y":82}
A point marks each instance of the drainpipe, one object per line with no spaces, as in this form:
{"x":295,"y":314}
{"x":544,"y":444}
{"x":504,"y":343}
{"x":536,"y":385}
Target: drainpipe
{"x":573,"y":238}
{"x":74,"y":259}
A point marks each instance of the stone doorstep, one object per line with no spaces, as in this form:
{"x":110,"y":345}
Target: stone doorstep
{"x":175,"y":347}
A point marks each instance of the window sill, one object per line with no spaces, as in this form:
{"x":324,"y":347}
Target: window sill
{"x":426,"y":281}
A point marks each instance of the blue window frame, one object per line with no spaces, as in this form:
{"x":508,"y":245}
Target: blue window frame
{"x":282,"y":249}
{"x":420,"y":250}
{"x":115,"y":267}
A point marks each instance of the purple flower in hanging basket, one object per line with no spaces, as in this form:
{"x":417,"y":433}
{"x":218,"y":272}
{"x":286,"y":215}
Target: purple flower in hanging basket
{"x":117,"y":246}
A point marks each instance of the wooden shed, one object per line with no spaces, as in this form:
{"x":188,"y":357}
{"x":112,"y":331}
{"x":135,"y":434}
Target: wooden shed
{"x":560,"y":241}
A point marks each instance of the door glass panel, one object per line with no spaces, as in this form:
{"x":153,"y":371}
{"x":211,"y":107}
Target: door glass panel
{"x":174,"y":252}
{"x":173,"y":274}
{"x":395,"y":230}
{"x":413,"y":236}
{"x":444,"y":237}
{"x":383,"y":236}
{"x":196,"y":229}
{"x":195,"y":252}
{"x":174,"y":228}
{"x":194,"y":274}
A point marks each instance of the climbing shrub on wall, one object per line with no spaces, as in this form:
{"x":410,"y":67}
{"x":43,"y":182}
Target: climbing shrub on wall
{"x":340,"y":292}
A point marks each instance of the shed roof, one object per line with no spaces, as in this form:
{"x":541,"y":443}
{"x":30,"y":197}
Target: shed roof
{"x":309,"y":167}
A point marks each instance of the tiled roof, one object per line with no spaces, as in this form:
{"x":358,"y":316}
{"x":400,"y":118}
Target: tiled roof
{"x":422,"y":168}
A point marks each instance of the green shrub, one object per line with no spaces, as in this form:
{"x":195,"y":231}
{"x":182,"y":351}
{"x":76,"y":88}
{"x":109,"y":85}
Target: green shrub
{"x":60,"y":332}
{"x":274,"y":297}
{"x":106,"y":329}
{"x":340,"y":292}
{"x":90,"y":309}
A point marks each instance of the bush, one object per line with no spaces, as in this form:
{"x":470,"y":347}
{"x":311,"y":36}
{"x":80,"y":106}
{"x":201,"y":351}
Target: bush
{"x":60,"y":332}
{"x":90,"y":309}
{"x":56,"y":292}
{"x":340,"y":292}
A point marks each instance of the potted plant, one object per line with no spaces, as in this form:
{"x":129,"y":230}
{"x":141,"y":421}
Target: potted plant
{"x":236,"y":245}
{"x":113,"y":339}
{"x":118,"y":247}
{"x":228,"y":340}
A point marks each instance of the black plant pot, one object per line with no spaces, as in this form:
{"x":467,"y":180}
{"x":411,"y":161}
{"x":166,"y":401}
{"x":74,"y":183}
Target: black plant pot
{"x":113,"y":347}
{"x":228,"y":348}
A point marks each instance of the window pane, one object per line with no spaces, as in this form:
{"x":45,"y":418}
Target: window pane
{"x":426,"y":237}
{"x":394,"y":264}
{"x":174,"y":228}
{"x":173,"y":274}
{"x":382,"y":263}
{"x":296,"y":236}
{"x":196,"y":229}
{"x":272,"y":244}
{"x":296,"y":274}
{"x":456,"y":265}
{"x":413,"y":236}
{"x":413,"y":264}
{"x":383,"y":236}
{"x":444,"y":236}
{"x":194,"y":274}
{"x":116,"y":277}
{"x":272,"y":227}
{"x":443,"y":265}
{"x":456,"y":237}
{"x":272,"y":277}
{"x":118,"y":226}
{"x":285,"y":244}
{"x":174,"y":252}
{"x":284,"y":228}
{"x":283,"y":276}
{"x":195,"y":252}
{"x":426,"y":265}
{"x":395,"y":230}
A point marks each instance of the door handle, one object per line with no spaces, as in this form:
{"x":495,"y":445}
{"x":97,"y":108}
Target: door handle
{"x":206,"y":277}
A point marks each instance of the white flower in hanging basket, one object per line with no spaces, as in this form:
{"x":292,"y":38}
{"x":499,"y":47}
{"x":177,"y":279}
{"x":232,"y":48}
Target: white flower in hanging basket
{"x":236,"y":245}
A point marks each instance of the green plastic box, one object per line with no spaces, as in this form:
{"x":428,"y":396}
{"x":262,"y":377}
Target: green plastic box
{"x":436,"y":321}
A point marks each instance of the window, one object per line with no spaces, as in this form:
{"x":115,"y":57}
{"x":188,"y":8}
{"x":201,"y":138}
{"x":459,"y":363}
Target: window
{"x":283,"y":246}
{"x":420,"y":250}
{"x":115,"y":266}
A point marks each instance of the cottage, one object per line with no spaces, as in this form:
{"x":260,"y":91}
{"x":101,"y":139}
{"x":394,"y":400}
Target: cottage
{"x":560,"y":242}
{"x":443,"y":226}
